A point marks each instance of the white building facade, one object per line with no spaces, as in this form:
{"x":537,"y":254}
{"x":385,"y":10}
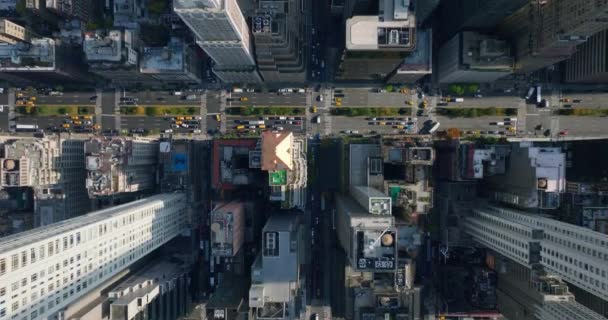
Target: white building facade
{"x":42,"y":271}
{"x":575,"y":254}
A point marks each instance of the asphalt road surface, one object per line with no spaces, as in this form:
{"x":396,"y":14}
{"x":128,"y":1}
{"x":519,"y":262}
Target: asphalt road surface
{"x":268,"y":99}
{"x":368,"y":98}
{"x":68,"y":98}
{"x":164,"y":98}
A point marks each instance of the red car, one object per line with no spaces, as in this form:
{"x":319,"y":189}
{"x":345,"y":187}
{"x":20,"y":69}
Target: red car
{"x":563,"y":133}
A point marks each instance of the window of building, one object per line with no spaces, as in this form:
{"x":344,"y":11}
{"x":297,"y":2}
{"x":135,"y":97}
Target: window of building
{"x":14,"y":262}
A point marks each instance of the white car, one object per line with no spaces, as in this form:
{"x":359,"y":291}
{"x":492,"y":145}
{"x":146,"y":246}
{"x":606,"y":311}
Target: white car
{"x":280,"y":128}
{"x":169,"y":131}
{"x":250,"y":90}
{"x":321,"y":97}
{"x":198,"y":118}
{"x":197,"y":131}
{"x":184,"y":125}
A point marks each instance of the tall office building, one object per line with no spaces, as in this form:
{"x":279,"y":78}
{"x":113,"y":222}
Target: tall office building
{"x":547,"y":32}
{"x":535,"y":177}
{"x":120,"y":165}
{"x":45,"y":270}
{"x":575,"y":254}
{"x":588,"y":64}
{"x":279,"y":33}
{"x":376,"y":45}
{"x":54,"y":169}
{"x":474,"y":57}
{"x":457,"y":15}
{"x":276,"y":272}
{"x":222,"y":31}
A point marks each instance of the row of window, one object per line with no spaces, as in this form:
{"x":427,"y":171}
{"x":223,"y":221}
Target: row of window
{"x":140,"y":241}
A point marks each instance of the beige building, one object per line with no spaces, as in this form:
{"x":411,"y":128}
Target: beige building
{"x":284,"y":157}
{"x":276,"y":151}
{"x":547,"y":32}
{"x":12,"y":33}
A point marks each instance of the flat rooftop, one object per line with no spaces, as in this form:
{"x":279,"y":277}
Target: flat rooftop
{"x":163,"y":59}
{"x":484,"y":52}
{"x":37,"y":56}
{"x":100,"y":47}
{"x":371,"y":33}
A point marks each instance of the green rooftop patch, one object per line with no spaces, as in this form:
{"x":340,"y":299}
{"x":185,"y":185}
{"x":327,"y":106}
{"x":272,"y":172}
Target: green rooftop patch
{"x":277,"y":178}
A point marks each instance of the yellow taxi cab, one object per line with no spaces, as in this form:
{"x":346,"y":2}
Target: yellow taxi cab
{"x":20,"y":102}
{"x":180,"y":118}
{"x":32,"y":98}
{"x":96,"y":127}
{"x":239,"y":127}
{"x":338,"y":103}
{"x":75,"y":118}
{"x":382,"y":123}
{"x":218,"y":118}
{"x":511,"y":129}
{"x":338,"y":99}
{"x":29,"y":103}
{"x":399,"y":127}
{"x":86,"y":117}
{"x":424,"y":104}
{"x":243,"y":99}
{"x":409,"y":102}
{"x":19,"y":94}
{"x":188,"y":118}
{"x":66,"y":125}
{"x":78,"y":122}
{"x":178,"y":122}
{"x":314,"y":109}
{"x":262,"y":126}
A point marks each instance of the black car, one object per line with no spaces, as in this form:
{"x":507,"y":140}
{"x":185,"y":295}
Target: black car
{"x":160,"y":99}
{"x":93,"y":98}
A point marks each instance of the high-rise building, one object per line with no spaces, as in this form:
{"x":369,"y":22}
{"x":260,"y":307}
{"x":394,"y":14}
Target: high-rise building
{"x":81,"y":9}
{"x":424,"y":9}
{"x":222,"y":31}
{"x":278,"y":34}
{"x":39,"y":60}
{"x":174,"y":63}
{"x":277,"y":272}
{"x":535,"y":178}
{"x":472,"y":57}
{"x":83,"y":252}
{"x":119,"y":165}
{"x":575,"y":254}
{"x":457,"y":15}
{"x":114,"y":55}
{"x":54,"y":169}
{"x":418,"y":62}
{"x":369,"y":240}
{"x":547,"y":32}
{"x":376,"y":45}
{"x":12,"y":33}
{"x":588,"y":64}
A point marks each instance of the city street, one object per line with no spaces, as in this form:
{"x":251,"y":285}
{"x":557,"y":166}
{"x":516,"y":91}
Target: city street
{"x":267,"y":99}
{"x":215,"y":102}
